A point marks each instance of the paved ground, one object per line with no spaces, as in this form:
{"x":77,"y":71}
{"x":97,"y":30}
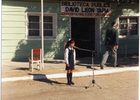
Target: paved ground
{"x":116,"y":86}
{"x":18,"y":69}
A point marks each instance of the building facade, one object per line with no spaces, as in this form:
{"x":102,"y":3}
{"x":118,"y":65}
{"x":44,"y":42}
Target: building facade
{"x":21,"y":27}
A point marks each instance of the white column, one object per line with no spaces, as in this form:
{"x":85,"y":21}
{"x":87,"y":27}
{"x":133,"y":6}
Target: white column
{"x":42,"y":31}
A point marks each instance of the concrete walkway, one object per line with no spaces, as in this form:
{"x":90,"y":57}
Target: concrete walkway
{"x":75,"y":74}
{"x":13,"y":71}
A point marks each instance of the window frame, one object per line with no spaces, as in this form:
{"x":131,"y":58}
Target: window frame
{"x":54,"y":16}
{"x":128,"y":20}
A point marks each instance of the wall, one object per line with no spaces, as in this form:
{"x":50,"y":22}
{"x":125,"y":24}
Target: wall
{"x":116,"y":10}
{"x":15,"y":46}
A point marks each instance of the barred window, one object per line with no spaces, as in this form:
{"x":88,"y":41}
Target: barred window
{"x":128,"y":26}
{"x":48,"y":26}
{"x":34,"y":26}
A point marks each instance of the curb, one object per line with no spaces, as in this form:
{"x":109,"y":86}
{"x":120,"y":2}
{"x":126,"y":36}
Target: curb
{"x":75,"y":74}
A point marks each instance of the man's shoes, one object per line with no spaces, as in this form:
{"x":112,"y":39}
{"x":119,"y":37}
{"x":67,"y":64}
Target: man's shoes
{"x":101,"y":67}
{"x":116,"y":66}
{"x":72,"y":83}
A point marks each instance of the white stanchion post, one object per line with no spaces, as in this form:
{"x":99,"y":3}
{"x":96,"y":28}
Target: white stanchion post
{"x":42,"y":31}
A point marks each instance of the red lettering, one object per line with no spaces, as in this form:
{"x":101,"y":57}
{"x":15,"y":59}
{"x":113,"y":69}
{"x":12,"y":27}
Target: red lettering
{"x":103,"y":14}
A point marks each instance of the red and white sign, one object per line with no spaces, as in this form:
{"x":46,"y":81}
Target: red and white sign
{"x":80,"y":8}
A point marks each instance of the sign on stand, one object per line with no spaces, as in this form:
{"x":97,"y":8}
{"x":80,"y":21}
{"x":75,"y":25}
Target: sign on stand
{"x":81,"y":8}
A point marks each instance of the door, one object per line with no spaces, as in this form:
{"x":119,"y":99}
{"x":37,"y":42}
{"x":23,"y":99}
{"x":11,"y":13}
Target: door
{"x":83,"y":31}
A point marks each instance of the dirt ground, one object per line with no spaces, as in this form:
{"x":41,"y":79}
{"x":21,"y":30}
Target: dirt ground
{"x":116,"y":86}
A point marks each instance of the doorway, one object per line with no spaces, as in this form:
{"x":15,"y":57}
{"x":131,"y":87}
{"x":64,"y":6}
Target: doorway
{"x":83,"y":31}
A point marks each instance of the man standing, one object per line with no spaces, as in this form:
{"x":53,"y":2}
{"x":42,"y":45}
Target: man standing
{"x":111,"y":44}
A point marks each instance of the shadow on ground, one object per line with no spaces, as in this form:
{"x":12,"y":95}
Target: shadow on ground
{"x":130,"y":60}
{"x":21,"y":69}
{"x":54,"y":61}
{"x":43,"y":78}
{"x":26,"y":69}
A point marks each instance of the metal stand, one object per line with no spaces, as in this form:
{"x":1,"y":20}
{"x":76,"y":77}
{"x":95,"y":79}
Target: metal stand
{"x":93,"y":81}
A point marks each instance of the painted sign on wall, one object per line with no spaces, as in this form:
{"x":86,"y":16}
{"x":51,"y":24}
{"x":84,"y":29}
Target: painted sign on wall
{"x":81,"y":8}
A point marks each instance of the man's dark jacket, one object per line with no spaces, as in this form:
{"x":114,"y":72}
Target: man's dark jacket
{"x":112,"y":37}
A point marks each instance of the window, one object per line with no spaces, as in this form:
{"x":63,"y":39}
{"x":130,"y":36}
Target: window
{"x":128,"y":26}
{"x":34,"y":26}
